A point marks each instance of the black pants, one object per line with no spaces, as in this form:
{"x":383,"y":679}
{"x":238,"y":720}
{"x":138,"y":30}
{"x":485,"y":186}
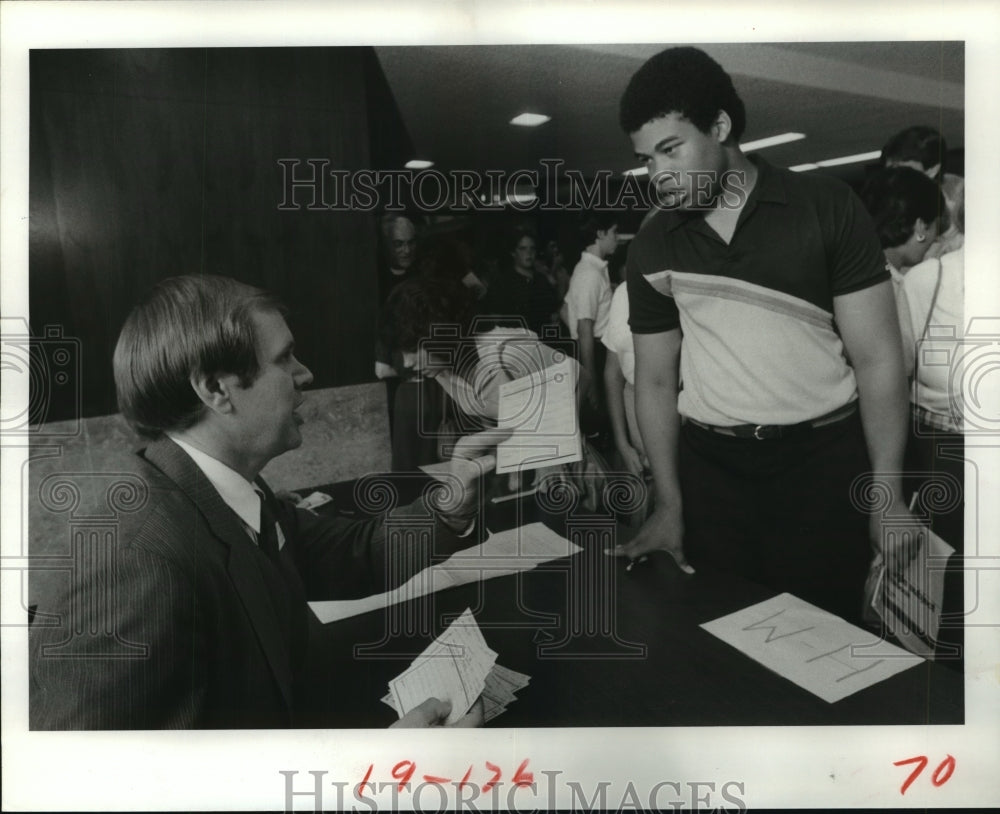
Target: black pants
{"x":779,"y":511}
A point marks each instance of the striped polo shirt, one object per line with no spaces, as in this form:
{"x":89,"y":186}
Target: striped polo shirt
{"x":759,"y":341}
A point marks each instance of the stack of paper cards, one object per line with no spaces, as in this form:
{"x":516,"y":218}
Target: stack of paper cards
{"x":458,"y":667}
{"x":910,"y":601}
{"x":501,"y":684}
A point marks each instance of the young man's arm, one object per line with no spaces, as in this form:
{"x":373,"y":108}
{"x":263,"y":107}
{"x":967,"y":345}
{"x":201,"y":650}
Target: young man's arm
{"x":614,"y":388}
{"x":585,"y":336}
{"x":657,"y":359}
{"x":869,"y":327}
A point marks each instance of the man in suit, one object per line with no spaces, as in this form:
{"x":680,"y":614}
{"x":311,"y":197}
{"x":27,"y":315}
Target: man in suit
{"x":206,"y":594}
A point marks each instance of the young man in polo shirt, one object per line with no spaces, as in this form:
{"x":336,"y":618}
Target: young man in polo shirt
{"x":791,"y":363}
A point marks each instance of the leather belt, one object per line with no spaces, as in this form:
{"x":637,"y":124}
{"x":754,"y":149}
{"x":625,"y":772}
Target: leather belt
{"x":764,"y":432}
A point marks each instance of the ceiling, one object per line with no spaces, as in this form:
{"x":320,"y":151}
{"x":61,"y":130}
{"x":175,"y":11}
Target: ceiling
{"x":847,"y":97}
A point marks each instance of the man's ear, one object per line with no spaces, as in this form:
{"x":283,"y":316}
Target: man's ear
{"x":722,"y":126}
{"x":215,"y":391}
{"x":921,"y":228}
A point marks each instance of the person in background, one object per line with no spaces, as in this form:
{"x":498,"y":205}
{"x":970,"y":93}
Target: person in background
{"x":619,"y":387}
{"x":923,"y":148}
{"x":619,"y":383}
{"x":905,"y":206}
{"x":399,"y":246}
{"x":521,"y":291}
{"x":793,"y":381}
{"x":586,"y":310}
{"x":424,"y":415}
{"x":552,"y":264}
{"x":470,"y":363}
{"x":399,"y":241}
{"x":209,"y":579}
{"x":934,"y":291}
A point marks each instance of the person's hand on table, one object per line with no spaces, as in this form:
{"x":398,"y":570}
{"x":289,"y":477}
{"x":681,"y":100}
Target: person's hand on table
{"x":457,"y":501}
{"x":663,"y":530}
{"x":433,"y":712}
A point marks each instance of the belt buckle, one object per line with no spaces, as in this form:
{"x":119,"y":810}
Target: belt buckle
{"x":763,"y":432}
{"x":756,"y":432}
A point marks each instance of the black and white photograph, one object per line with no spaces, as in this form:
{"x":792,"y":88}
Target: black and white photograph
{"x":553,"y":406}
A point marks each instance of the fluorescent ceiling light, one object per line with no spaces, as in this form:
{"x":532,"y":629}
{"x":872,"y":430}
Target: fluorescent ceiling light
{"x":850,"y":159}
{"x":771,"y":141}
{"x":530,"y":119}
{"x":521,"y":197}
{"x":418,"y":164}
{"x":804,"y":167}
{"x":637,"y":171}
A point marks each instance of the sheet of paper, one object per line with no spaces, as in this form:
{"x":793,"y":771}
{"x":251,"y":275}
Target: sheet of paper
{"x":910,"y":602}
{"x":440,"y":470}
{"x":541,"y":409}
{"x":314,"y":500}
{"x":503,"y":553}
{"x":817,"y":650}
{"x":453,"y":668}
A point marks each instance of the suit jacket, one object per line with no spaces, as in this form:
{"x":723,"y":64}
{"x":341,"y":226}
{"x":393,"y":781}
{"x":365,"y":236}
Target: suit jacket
{"x":184,"y":622}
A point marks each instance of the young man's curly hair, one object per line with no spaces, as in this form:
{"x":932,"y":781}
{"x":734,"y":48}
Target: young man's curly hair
{"x":681,"y":80}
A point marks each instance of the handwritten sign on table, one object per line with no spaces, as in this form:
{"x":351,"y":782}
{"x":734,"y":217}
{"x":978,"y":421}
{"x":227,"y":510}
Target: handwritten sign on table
{"x":817,"y":650}
{"x":541,"y":409}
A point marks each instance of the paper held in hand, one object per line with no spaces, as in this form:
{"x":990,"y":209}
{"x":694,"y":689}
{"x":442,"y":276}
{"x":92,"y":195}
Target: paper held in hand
{"x":458,"y":666}
{"x":541,"y":410}
{"x":909,"y":602}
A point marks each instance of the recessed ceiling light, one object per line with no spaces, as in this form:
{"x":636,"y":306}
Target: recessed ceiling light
{"x":771,"y":141}
{"x":850,"y":159}
{"x":530,"y":119}
{"x":418,"y":164}
{"x":637,"y":171}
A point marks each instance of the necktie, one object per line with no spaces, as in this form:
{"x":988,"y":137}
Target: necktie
{"x":268,"y":537}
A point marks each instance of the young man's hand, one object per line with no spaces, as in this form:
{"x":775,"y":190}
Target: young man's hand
{"x":663,"y":530}
{"x":898,"y":542}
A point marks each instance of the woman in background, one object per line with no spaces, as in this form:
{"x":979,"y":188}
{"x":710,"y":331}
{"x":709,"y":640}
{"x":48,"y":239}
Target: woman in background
{"x":906,"y":206}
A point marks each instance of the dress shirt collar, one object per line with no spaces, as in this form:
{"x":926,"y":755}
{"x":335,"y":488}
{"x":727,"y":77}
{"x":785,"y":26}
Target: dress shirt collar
{"x":235,"y":490}
{"x":593,"y":260}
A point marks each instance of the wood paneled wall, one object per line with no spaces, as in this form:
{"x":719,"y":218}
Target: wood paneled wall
{"x":151,"y":163}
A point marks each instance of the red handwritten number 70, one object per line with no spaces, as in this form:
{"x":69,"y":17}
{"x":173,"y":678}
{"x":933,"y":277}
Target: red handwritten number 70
{"x":940,"y":776}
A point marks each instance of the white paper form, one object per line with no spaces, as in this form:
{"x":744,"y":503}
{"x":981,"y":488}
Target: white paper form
{"x":501,"y":554}
{"x":541,"y":410}
{"x":452,"y":668}
{"x":910,"y":602}
{"x":811,"y":647}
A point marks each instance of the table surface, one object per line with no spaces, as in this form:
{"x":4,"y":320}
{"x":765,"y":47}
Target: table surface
{"x":603,"y":646}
